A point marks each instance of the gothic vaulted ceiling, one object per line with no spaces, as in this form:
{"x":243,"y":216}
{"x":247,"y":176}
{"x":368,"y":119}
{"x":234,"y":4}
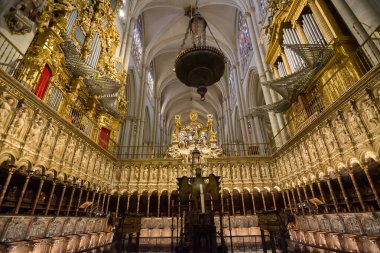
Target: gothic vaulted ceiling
{"x":165,"y":24}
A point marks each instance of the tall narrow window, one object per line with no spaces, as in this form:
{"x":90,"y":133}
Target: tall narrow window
{"x":138,"y":43}
{"x":245,"y":44}
{"x":150,"y":82}
{"x":43,"y":82}
{"x":104,"y":137}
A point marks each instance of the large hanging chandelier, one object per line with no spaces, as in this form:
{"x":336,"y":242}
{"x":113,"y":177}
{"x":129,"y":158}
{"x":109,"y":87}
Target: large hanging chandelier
{"x":199,"y":65}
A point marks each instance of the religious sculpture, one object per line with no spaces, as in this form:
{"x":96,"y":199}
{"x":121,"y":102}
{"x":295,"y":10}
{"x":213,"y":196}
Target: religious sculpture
{"x":6,"y":105}
{"x":36,"y":130}
{"x":371,"y":112}
{"x":19,"y":123}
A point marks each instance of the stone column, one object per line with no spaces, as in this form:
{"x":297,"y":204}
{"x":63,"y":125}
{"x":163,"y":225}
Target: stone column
{"x":283,"y":199}
{"x":290,"y":202}
{"x":148,"y":204}
{"x":294,"y":200}
{"x":158,"y":204}
{"x":98,"y":201}
{"x":79,"y":200}
{"x":129,"y":197}
{"x":242,"y":202}
{"x":343,"y":193}
{"x":92,"y":201}
{"x":6,"y":184}
{"x":232,"y":205}
{"x":373,"y":188}
{"x":169,"y":204}
{"x":253,"y":203}
{"x":357,"y":190}
{"x":42,"y":181}
{"x":117,"y":205}
{"x":71,"y":199}
{"x":22,"y":193}
{"x":104,"y":200}
{"x":274,"y":200}
{"x":50,"y":196}
{"x":332,"y":195}
{"x":260,"y":70}
{"x":312,"y":190}
{"x":108,"y":202}
{"x":322,"y":195}
{"x":62,"y":196}
{"x":129,"y":39}
{"x":221,"y":199}
{"x":263,"y":198}
{"x":357,"y":29}
{"x":138,"y":204}
{"x":300,"y":198}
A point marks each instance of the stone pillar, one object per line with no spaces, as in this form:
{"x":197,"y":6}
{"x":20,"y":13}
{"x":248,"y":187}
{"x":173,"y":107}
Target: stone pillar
{"x":373,"y":188}
{"x":50,"y":196}
{"x":129,"y":40}
{"x":322,"y":195}
{"x":243,"y":204}
{"x":138,"y":204}
{"x":98,"y":201}
{"x":6,"y":184}
{"x":158,"y":204}
{"x":357,"y":190}
{"x":343,"y":193}
{"x":108,"y":202}
{"x":357,"y":29}
{"x":61,"y":199}
{"x":332,"y":195}
{"x":104,"y":200}
{"x":22,"y":193}
{"x":263,"y":198}
{"x":79,"y":200}
{"x":148,"y":204}
{"x":42,"y":181}
{"x":221,"y":199}
{"x":129,"y":197}
{"x":169,"y":204}
{"x":283,"y":199}
{"x":253,"y":203}
{"x":274,"y":200}
{"x":71,"y":199}
{"x":232,"y":205}
{"x":92,"y":201}
{"x":312,"y":190}
{"x":294,"y":200}
{"x":300,"y":198}
{"x":290,"y":202}
{"x":117,"y":205}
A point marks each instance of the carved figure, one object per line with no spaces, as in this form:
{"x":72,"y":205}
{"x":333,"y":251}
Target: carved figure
{"x":341,"y":131}
{"x":49,"y":138}
{"x":355,"y":123}
{"x":36,"y":129}
{"x":371,"y":112}
{"x":5,"y":109}
{"x":19,"y":123}
{"x":330,"y":138}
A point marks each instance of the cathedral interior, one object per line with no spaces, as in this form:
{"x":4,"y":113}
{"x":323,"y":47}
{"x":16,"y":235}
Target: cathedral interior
{"x":189,"y":115}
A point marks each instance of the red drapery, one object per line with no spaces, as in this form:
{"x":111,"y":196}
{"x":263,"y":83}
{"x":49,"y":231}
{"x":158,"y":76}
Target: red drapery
{"x":104,"y":137}
{"x":43,"y":82}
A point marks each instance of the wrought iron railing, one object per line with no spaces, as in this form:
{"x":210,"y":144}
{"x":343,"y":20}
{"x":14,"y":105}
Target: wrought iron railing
{"x":240,"y":149}
{"x":346,"y":71}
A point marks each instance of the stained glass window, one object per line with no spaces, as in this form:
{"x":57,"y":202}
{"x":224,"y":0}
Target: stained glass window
{"x":150,"y":82}
{"x":245,"y":44}
{"x":137,"y":45}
